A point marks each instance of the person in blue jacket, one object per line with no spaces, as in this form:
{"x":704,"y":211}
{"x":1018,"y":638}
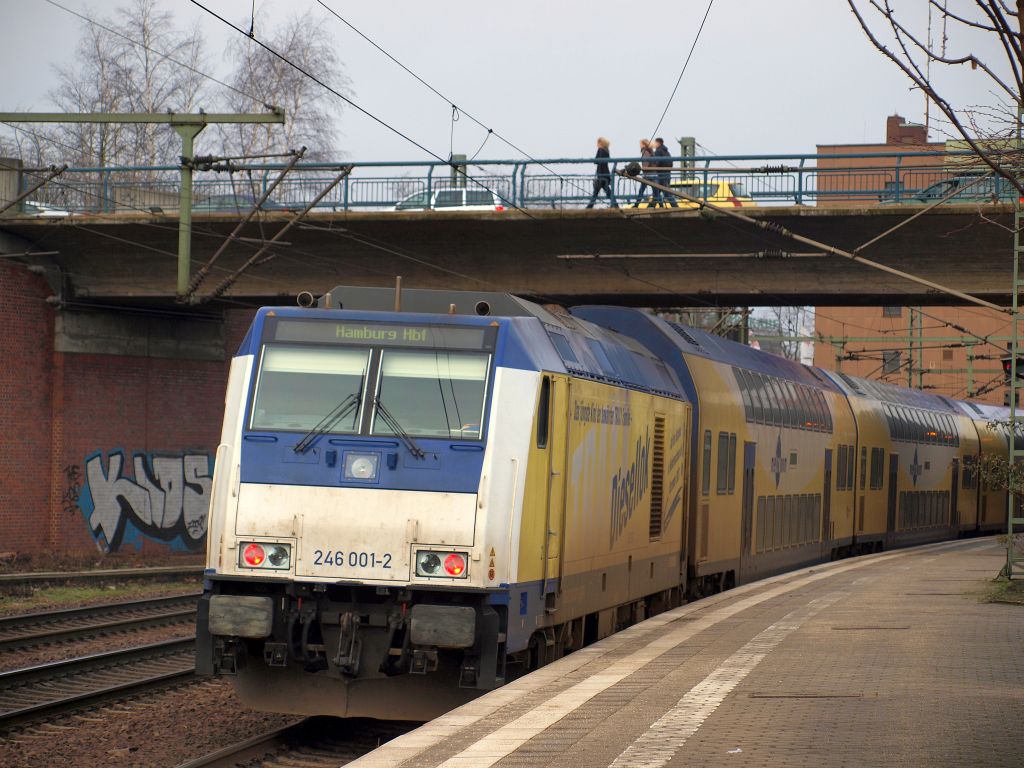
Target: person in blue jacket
{"x":603,"y":176}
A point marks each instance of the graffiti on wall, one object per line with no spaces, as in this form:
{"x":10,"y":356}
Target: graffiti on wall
{"x":161,"y":497}
{"x":72,"y":489}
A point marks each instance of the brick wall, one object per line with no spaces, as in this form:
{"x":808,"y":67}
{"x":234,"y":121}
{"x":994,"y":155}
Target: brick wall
{"x":25,"y":407}
{"x":59,"y":410}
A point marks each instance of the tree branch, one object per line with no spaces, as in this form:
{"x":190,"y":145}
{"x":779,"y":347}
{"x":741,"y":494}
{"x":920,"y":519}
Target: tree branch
{"x":970,"y":58}
{"x":921,"y":82}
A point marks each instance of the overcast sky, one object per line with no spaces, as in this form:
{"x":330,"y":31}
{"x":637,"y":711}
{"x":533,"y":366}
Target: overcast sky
{"x":767,"y":76}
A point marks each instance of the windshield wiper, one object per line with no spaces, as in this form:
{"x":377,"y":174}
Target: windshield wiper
{"x":394,"y":425}
{"x":336,"y":414}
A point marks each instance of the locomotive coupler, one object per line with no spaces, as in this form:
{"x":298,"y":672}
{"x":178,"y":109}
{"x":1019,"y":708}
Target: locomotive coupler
{"x":349,"y":645}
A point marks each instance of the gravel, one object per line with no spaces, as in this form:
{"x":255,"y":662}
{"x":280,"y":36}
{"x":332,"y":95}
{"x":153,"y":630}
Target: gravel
{"x":158,"y":731}
{"x":72,"y":649}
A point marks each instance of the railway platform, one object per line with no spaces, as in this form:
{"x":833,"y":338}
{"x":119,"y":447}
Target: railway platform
{"x":885,"y":660}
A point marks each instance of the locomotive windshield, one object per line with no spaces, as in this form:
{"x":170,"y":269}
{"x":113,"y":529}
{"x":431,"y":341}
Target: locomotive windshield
{"x":298,"y":385}
{"x":428,"y":380}
{"x":433,"y":393}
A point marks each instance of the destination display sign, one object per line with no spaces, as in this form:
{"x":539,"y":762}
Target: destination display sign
{"x":382,"y":334}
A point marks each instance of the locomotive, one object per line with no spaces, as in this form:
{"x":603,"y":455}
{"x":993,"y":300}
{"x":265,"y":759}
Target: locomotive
{"x":421,"y":495}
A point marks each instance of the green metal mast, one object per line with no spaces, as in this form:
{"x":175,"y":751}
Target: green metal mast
{"x":1016,"y":454}
{"x":188,"y":127}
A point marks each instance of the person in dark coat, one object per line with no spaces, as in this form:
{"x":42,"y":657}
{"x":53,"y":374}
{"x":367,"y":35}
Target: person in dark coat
{"x":603,"y":176}
{"x":664,"y":176}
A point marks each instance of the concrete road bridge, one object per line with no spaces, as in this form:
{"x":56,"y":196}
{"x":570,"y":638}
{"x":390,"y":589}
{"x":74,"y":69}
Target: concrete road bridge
{"x":111,"y":235}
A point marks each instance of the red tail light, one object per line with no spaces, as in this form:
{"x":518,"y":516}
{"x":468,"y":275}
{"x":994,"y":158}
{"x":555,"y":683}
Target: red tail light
{"x":455,"y":565}
{"x":254,"y":555}
{"x":499,"y":207}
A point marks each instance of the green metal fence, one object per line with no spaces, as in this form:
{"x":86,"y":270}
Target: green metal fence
{"x":763,"y":180}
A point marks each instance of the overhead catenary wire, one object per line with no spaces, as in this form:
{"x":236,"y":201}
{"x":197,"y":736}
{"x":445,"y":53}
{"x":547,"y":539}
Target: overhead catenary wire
{"x":683,"y":70}
{"x":338,"y":94}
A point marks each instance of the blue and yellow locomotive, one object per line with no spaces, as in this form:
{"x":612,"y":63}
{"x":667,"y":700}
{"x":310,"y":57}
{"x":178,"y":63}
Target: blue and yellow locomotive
{"x":419,"y":496}
{"x":409,"y":507}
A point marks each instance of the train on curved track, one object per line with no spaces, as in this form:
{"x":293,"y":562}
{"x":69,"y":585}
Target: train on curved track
{"x":415,"y":504}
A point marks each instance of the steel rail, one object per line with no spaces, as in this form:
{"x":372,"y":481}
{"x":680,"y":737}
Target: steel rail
{"x":36,"y":692}
{"x":313,"y":742}
{"x":51,"y":626}
{"x":125,"y":574}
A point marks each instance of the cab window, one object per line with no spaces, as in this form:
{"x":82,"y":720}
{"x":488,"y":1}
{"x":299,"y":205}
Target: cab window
{"x":432,"y":393}
{"x":298,"y":386}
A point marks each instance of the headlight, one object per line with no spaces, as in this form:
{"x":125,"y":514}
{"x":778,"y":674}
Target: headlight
{"x":442,"y":564}
{"x":265,"y":554}
{"x":279,"y":556}
{"x":361,"y":466}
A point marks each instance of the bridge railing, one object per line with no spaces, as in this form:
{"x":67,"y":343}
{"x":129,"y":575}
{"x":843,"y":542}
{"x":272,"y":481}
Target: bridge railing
{"x":828,"y":179}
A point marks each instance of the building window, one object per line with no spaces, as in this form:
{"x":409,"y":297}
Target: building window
{"x":892,"y":311}
{"x":890,"y":361}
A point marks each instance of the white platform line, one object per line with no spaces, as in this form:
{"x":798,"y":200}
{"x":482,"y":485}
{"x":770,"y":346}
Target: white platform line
{"x":659,"y":744}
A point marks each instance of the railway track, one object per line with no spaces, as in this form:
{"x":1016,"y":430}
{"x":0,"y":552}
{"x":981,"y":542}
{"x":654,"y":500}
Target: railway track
{"x":315,"y":742}
{"x":31,"y":629}
{"x":157,"y":573}
{"x":41,"y":692}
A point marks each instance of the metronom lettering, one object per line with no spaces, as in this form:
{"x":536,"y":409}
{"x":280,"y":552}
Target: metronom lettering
{"x":628,"y":488}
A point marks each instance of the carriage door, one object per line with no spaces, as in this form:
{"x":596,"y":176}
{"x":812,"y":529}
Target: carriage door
{"x":954,"y":512}
{"x":749,"y":454}
{"x":826,"y":500}
{"x":894,"y":474}
{"x":555,"y":514}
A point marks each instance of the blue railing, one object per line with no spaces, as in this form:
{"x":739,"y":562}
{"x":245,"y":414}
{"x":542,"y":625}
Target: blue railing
{"x":835,"y":179}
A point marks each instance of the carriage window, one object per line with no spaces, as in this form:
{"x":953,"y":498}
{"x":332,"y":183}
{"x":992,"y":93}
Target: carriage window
{"x":732,"y":462}
{"x":705,"y":480}
{"x":755,"y":396}
{"x":723,"y":462}
{"x":741,"y":382}
{"x":301,"y":386}
{"x":544,"y":413}
{"x":432,"y":393}
{"x":780,"y":402}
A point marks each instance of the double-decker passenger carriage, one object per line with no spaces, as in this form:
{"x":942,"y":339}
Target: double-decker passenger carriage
{"x":922,"y":442}
{"x":992,"y":425}
{"x":773,"y":449}
{"x":411,"y":506}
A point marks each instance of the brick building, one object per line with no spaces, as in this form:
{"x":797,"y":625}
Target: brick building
{"x":949,"y":353}
{"x":844,"y":180}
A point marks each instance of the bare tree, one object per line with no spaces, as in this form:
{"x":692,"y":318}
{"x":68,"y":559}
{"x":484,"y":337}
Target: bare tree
{"x":989,"y":130}
{"x":127,"y":64}
{"x":311,"y":110}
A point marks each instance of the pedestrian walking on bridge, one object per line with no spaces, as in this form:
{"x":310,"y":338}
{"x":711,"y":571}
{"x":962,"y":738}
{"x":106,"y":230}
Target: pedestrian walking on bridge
{"x":664,"y":176}
{"x":647,"y":170}
{"x":603,"y":176}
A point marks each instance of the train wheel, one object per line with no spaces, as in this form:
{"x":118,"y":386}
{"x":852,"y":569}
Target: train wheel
{"x":537,"y":652}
